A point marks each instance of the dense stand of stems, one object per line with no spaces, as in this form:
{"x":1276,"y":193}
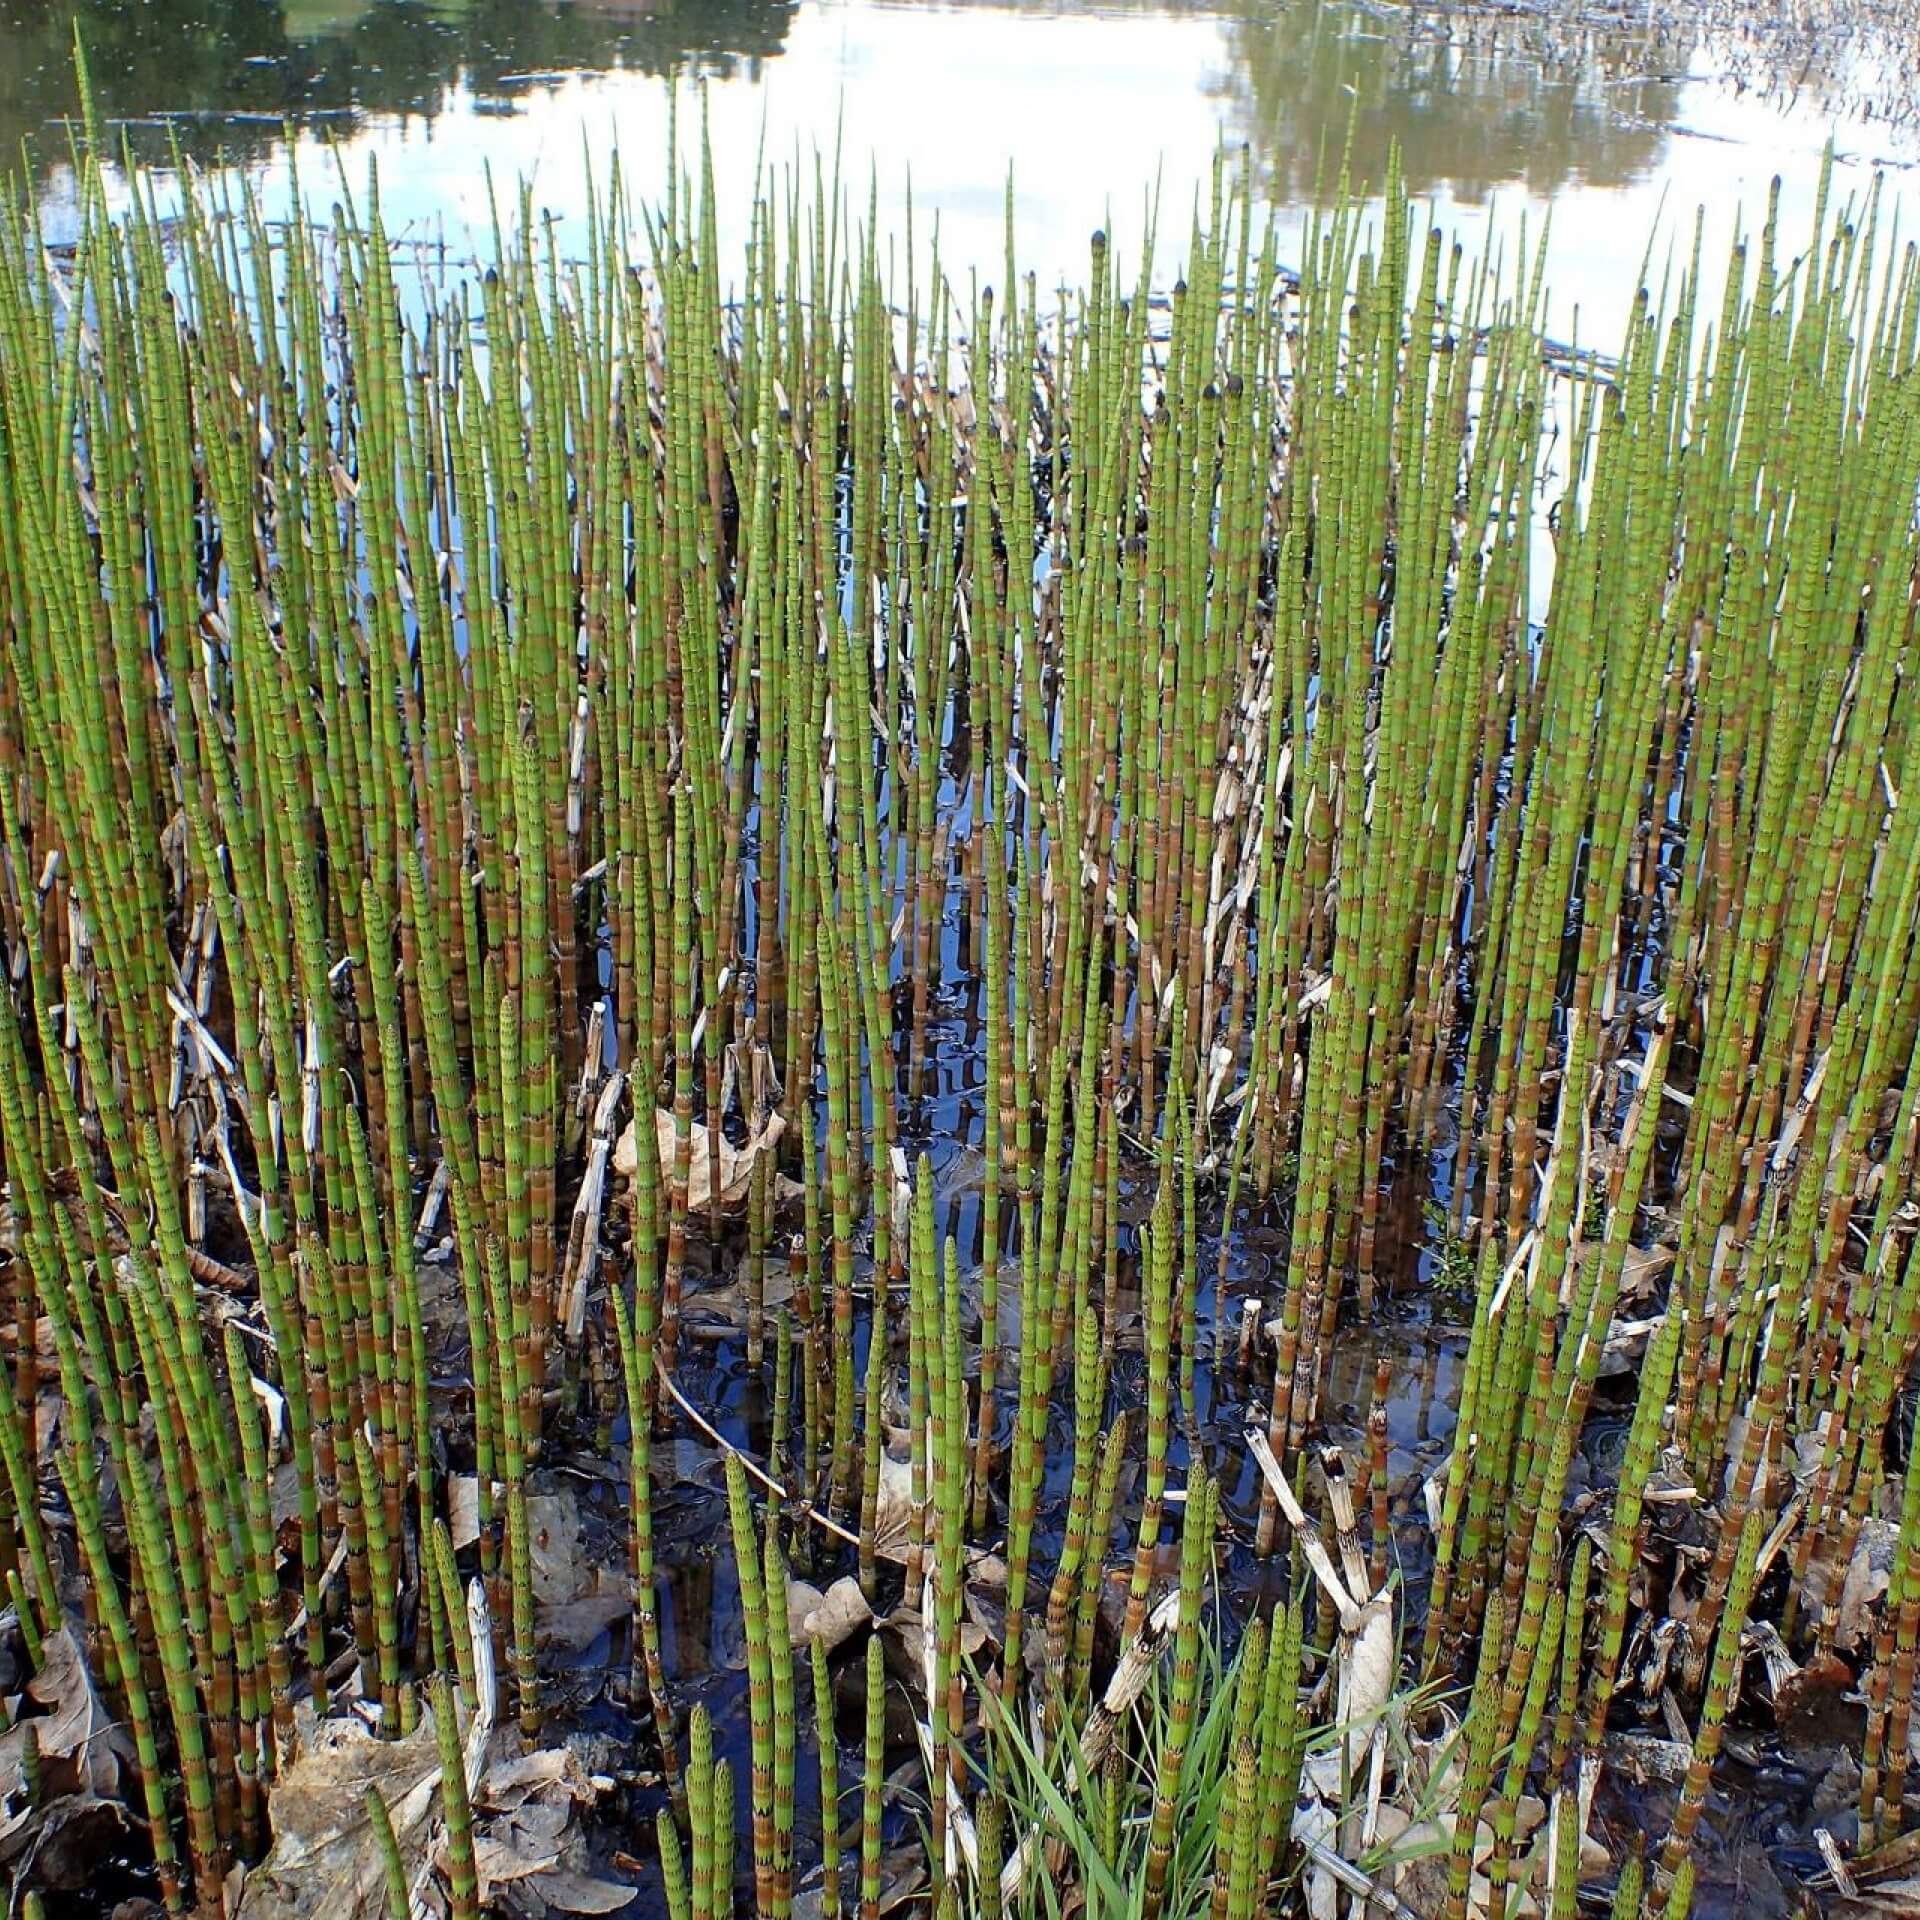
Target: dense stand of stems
{"x":430,"y":716}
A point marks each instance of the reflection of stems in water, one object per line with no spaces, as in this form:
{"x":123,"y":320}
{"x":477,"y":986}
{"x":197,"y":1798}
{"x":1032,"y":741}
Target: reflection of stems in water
{"x":801,"y":1509}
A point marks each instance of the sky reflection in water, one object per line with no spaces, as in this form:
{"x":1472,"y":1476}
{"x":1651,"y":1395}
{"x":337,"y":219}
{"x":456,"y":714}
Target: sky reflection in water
{"x":1095,"y":109}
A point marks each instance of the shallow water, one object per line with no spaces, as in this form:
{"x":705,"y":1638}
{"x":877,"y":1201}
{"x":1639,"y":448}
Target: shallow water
{"x":1612,"y":117}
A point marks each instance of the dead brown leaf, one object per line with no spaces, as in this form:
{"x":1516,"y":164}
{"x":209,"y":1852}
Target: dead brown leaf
{"x":324,"y":1864}
{"x":736,"y":1163}
{"x":81,"y":1749}
{"x":832,"y":1617}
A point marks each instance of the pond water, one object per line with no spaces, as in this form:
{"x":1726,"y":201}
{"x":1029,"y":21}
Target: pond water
{"x":1616,"y":119}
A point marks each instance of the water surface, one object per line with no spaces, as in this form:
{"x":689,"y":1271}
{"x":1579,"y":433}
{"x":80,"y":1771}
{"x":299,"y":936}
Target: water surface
{"x":1614,"y":120}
